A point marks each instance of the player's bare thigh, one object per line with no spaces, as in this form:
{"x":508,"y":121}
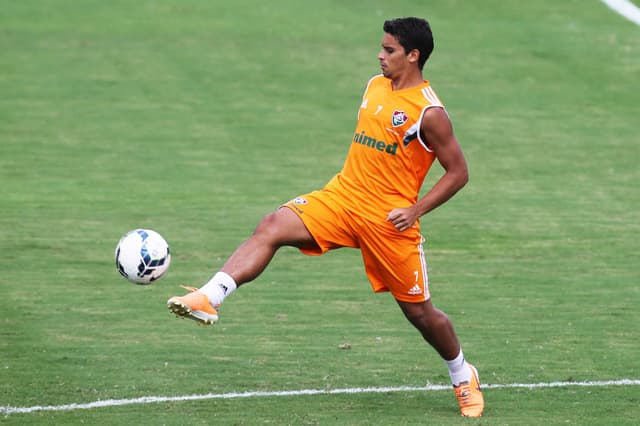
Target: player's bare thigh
{"x":285,"y":228}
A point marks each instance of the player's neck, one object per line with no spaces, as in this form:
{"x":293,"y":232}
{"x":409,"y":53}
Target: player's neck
{"x":407,"y":81}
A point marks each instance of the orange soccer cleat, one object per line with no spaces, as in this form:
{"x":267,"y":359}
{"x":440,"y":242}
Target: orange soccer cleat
{"x":469,"y":395}
{"x":195,"y":306}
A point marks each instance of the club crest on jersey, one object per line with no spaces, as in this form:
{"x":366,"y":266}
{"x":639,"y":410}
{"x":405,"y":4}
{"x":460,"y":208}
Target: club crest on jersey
{"x":398,"y":118}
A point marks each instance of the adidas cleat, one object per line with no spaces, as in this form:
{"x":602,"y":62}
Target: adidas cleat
{"x":194,"y":305}
{"x":469,"y":396}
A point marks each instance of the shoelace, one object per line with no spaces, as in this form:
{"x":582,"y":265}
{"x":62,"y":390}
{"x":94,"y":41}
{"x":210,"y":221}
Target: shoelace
{"x":188,"y":288}
{"x":464,"y":391}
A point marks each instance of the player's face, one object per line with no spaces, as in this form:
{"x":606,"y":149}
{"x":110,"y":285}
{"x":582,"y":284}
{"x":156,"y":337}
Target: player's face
{"x":393,"y":59}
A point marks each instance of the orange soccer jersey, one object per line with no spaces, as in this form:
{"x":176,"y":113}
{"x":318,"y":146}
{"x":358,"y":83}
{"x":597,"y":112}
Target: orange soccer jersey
{"x":388,"y":160}
{"x":386,"y":165}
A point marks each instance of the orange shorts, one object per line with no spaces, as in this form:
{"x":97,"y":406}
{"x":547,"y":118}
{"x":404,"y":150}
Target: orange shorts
{"x":394,"y":261}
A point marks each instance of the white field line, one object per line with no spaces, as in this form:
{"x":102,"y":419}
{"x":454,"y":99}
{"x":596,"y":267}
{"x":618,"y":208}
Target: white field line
{"x":625,"y":8}
{"x":6,"y":410}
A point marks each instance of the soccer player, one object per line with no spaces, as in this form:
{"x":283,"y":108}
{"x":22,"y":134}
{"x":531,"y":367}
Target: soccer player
{"x":373,"y":204}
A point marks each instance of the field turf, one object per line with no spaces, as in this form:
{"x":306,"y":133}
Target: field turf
{"x":197,"y":118}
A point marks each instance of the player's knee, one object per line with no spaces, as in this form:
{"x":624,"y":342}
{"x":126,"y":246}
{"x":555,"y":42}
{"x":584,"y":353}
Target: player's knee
{"x":267,"y":226}
{"x":439,"y":319}
{"x":271,"y":229}
{"x":435,"y":317}
{"x":425,"y":317}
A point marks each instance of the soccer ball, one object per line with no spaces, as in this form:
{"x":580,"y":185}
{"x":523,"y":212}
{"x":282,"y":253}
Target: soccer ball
{"x":142,"y":256}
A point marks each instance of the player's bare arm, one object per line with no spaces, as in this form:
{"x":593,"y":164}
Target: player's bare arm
{"x":437,"y":131}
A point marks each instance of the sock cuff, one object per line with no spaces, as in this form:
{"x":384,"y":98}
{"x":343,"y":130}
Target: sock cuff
{"x":458,"y":369}
{"x":225,"y":281}
{"x":457,"y":361}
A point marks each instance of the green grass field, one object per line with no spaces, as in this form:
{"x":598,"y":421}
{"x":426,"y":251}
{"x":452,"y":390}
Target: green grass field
{"x":196,"y":118}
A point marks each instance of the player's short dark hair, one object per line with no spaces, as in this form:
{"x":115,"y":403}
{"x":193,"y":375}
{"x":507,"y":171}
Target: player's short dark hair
{"x":412,"y":33}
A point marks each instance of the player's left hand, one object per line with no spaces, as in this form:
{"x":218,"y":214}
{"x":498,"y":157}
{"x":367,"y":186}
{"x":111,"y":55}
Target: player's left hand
{"x":403,"y":218}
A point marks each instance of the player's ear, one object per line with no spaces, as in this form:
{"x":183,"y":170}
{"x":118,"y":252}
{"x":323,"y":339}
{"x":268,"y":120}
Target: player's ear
{"x":413,"y":56}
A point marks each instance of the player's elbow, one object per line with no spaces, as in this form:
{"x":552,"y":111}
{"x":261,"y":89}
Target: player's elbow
{"x":465,"y":177}
{"x":462,"y":177}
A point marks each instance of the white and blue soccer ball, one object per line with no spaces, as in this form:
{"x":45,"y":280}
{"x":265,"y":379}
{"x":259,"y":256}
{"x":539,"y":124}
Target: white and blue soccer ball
{"x":142,"y":256}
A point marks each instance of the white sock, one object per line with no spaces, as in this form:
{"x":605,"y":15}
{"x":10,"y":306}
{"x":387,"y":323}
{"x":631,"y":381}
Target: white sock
{"x":459,"y":370}
{"x":218,"y":287}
